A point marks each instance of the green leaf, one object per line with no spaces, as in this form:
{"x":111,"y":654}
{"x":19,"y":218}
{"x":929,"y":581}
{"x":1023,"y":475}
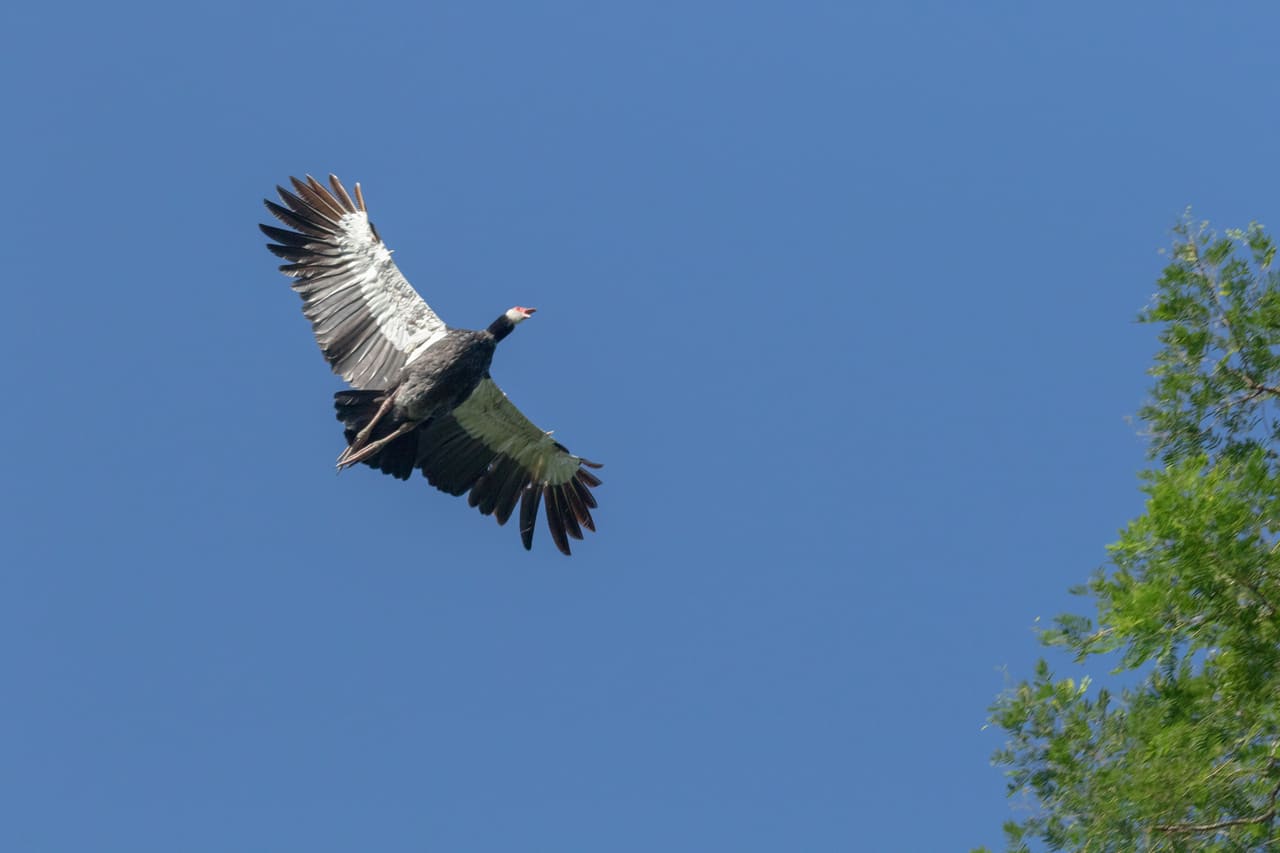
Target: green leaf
{"x":1176,"y":746}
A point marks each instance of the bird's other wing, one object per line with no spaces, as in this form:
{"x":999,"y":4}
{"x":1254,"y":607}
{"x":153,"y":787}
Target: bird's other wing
{"x":368,"y":320}
{"x":487,"y":446}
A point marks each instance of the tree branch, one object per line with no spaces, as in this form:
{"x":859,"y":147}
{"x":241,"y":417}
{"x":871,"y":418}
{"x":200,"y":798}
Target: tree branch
{"x":1256,"y":388}
{"x":1193,"y":828}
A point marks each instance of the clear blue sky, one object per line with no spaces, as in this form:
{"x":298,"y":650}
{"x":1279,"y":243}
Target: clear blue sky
{"x":841,"y":294}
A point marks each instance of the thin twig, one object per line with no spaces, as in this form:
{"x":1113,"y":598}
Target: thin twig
{"x":1192,"y":828}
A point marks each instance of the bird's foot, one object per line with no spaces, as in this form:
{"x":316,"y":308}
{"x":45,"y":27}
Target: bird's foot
{"x":354,"y":455}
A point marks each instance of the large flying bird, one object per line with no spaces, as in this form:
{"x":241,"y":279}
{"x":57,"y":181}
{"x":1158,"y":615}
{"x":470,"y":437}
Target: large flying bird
{"x":421,"y":394}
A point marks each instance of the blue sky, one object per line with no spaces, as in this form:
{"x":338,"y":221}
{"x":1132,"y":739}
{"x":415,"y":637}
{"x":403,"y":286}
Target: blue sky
{"x":841,"y":294}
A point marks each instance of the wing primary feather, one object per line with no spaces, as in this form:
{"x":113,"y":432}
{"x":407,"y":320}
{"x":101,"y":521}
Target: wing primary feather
{"x":567,"y":514}
{"x":479,"y":491}
{"x":304,"y":206}
{"x":360,"y":198}
{"x":318,"y":197}
{"x":581,"y":490}
{"x":286,"y":238}
{"x":510,"y":495}
{"x":555,"y":523}
{"x":487,"y":492}
{"x":580,"y":511}
{"x":484,"y":494}
{"x":587,"y":478}
{"x":341,"y":191}
{"x":532,"y":496}
{"x":288,"y":217}
{"x":506,"y":487}
{"x":313,"y":256}
{"x":289,"y":253}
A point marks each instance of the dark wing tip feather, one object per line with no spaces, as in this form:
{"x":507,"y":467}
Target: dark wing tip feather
{"x":555,"y":521}
{"x":318,"y":197}
{"x":305,"y":205}
{"x":341,"y":192}
{"x":296,"y":220}
{"x":285,"y":238}
{"x":509,"y":497}
{"x":567,"y":513}
{"x":529,"y":501}
{"x":577,"y":505}
{"x":581,"y":490}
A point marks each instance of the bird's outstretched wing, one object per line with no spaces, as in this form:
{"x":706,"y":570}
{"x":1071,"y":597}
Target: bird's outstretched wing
{"x":488,"y":447}
{"x":368,"y":320}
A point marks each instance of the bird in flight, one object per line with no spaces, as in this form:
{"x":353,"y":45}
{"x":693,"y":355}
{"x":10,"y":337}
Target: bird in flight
{"x":421,"y":397}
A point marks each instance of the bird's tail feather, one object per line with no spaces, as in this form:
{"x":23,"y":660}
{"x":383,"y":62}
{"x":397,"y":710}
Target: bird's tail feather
{"x":356,"y":409}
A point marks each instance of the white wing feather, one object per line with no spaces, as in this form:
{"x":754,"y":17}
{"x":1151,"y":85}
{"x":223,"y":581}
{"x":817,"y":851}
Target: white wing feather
{"x":367,"y":318}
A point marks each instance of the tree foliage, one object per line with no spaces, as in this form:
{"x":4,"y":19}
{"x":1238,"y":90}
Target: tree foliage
{"x":1183,"y":752}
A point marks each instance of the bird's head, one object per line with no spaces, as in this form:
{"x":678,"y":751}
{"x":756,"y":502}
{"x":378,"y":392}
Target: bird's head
{"x":519,"y":313}
{"x":508,"y":320}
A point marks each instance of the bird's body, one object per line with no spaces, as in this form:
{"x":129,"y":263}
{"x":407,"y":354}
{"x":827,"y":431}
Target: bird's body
{"x":422,"y":397}
{"x":440,"y":383}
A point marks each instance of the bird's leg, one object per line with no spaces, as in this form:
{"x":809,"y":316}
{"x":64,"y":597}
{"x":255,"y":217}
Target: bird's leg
{"x":362,"y":437}
{"x":349,"y":458}
{"x":364,"y":434}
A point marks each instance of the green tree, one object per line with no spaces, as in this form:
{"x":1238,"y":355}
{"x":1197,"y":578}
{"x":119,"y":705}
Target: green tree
{"x":1183,"y":752}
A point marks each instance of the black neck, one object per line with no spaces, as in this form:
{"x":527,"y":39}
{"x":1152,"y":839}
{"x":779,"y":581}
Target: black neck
{"x":501,"y":327}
